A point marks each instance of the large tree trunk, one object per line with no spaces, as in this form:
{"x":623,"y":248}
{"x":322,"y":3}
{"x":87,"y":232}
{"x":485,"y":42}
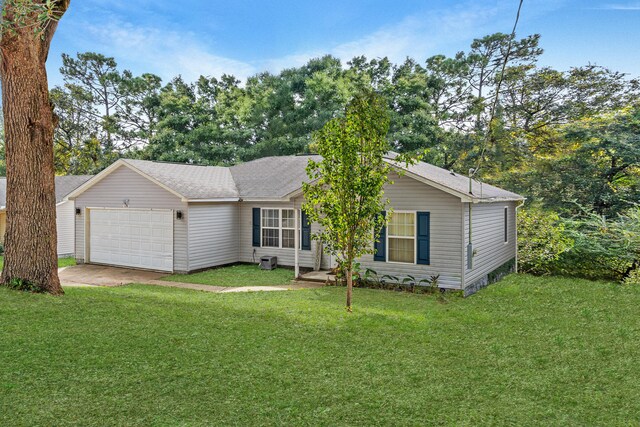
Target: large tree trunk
{"x":30,"y":237}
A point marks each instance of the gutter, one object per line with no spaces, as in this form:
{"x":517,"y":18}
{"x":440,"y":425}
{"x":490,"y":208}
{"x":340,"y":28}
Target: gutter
{"x":218,"y":200}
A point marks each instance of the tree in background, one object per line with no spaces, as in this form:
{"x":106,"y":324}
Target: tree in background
{"x":98,"y":76}
{"x":605,"y":248}
{"x":440,"y":107}
{"x":76,"y":145}
{"x":104,"y":113}
{"x":542,"y":239}
{"x":593,"y":162}
{"x":345,"y":194}
{"x":188,"y":128}
{"x":138,"y":110}
{"x":27,"y":29}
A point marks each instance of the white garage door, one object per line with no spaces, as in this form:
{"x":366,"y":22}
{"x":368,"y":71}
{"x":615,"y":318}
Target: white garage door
{"x":140,"y":238}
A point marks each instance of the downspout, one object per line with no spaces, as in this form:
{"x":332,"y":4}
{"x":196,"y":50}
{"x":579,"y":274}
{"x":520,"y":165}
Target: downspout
{"x":296,"y":243}
{"x":463,"y":268}
{"x":470,"y":244}
{"x":516,"y":229}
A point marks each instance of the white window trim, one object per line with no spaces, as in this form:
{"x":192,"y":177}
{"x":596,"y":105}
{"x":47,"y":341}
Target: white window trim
{"x":279,"y":228}
{"x":415,"y":240}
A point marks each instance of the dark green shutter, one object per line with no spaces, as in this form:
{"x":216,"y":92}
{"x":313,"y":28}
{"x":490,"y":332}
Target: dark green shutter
{"x":256,"y":227}
{"x":380,"y":245}
{"x":306,"y":233}
{"x":506,"y":225}
{"x":423,"y":238}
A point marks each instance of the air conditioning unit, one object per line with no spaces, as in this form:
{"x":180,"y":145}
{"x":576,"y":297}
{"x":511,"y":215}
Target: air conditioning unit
{"x":268,"y":262}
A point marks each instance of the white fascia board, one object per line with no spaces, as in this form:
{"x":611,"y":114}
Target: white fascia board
{"x":108,"y":171}
{"x":293,"y":194}
{"x":499,"y":199}
{"x":217,"y":200}
{"x":91,"y":182}
{"x":155,"y":181}
{"x":265,"y":199}
{"x":297,"y":192}
{"x":463,"y":197}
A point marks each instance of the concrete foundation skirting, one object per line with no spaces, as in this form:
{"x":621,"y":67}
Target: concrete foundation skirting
{"x":492,"y":277}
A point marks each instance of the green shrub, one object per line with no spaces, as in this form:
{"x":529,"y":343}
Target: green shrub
{"x":633,"y":278}
{"x":24,"y":285}
{"x":370,"y":279}
{"x":604,"y":248}
{"x":541,"y":240}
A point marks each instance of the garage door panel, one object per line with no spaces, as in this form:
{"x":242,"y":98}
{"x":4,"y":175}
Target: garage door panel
{"x":132,"y":238}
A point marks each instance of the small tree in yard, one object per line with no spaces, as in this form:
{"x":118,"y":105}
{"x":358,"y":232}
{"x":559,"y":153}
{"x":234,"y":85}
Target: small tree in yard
{"x":345,"y":196}
{"x":26,"y":31}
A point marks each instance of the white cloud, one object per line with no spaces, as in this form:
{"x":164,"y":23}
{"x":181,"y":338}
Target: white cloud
{"x":162,"y":52}
{"x":169,"y":52}
{"x":419,"y":36}
{"x":415,"y":36}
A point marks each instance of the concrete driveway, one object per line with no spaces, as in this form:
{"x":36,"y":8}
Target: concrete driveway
{"x":100,"y":275}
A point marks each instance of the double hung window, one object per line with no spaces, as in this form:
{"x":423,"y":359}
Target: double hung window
{"x":278,"y":228}
{"x":401,"y":237}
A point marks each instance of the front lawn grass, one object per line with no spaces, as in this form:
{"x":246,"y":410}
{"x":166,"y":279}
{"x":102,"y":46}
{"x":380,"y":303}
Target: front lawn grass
{"x":526,"y":351}
{"x":236,"y":275}
{"x":62,"y":262}
{"x":66,"y":262}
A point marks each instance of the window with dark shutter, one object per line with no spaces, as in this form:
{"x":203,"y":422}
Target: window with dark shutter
{"x":380,"y":245}
{"x":256,"y":227}
{"x":306,"y":233}
{"x":424,"y":235}
{"x":506,"y":224}
{"x":401,"y":237}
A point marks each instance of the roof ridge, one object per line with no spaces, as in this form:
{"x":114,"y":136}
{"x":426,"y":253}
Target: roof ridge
{"x":172,"y":163}
{"x":287,"y":156}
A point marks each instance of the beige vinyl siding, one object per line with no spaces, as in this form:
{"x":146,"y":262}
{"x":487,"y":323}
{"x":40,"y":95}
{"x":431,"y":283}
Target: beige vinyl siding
{"x":488,"y":237}
{"x":65,"y":226}
{"x":213,"y":234}
{"x":122,"y":184}
{"x":285,"y":256}
{"x":407,"y":194}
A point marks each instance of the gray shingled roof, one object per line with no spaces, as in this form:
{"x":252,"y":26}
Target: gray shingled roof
{"x":271,"y":177}
{"x":190,"y":181}
{"x":277,"y":177}
{"x":459,"y":183}
{"x":65,"y":184}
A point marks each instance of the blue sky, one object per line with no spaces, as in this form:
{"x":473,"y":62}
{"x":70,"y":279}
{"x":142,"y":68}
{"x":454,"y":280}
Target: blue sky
{"x":243,"y":37}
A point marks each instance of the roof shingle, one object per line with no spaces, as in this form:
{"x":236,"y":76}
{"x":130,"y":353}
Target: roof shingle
{"x":271,"y":177}
{"x":65,"y":184}
{"x":190,"y":181}
{"x":278,"y":176}
{"x":459,"y":183}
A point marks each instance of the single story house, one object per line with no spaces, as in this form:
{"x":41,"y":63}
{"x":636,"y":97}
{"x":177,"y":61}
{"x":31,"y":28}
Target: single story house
{"x":65,"y":218}
{"x":182,"y":218}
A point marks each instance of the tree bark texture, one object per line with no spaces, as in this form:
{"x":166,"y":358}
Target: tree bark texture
{"x":349,"y":288}
{"x":30,"y":237}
